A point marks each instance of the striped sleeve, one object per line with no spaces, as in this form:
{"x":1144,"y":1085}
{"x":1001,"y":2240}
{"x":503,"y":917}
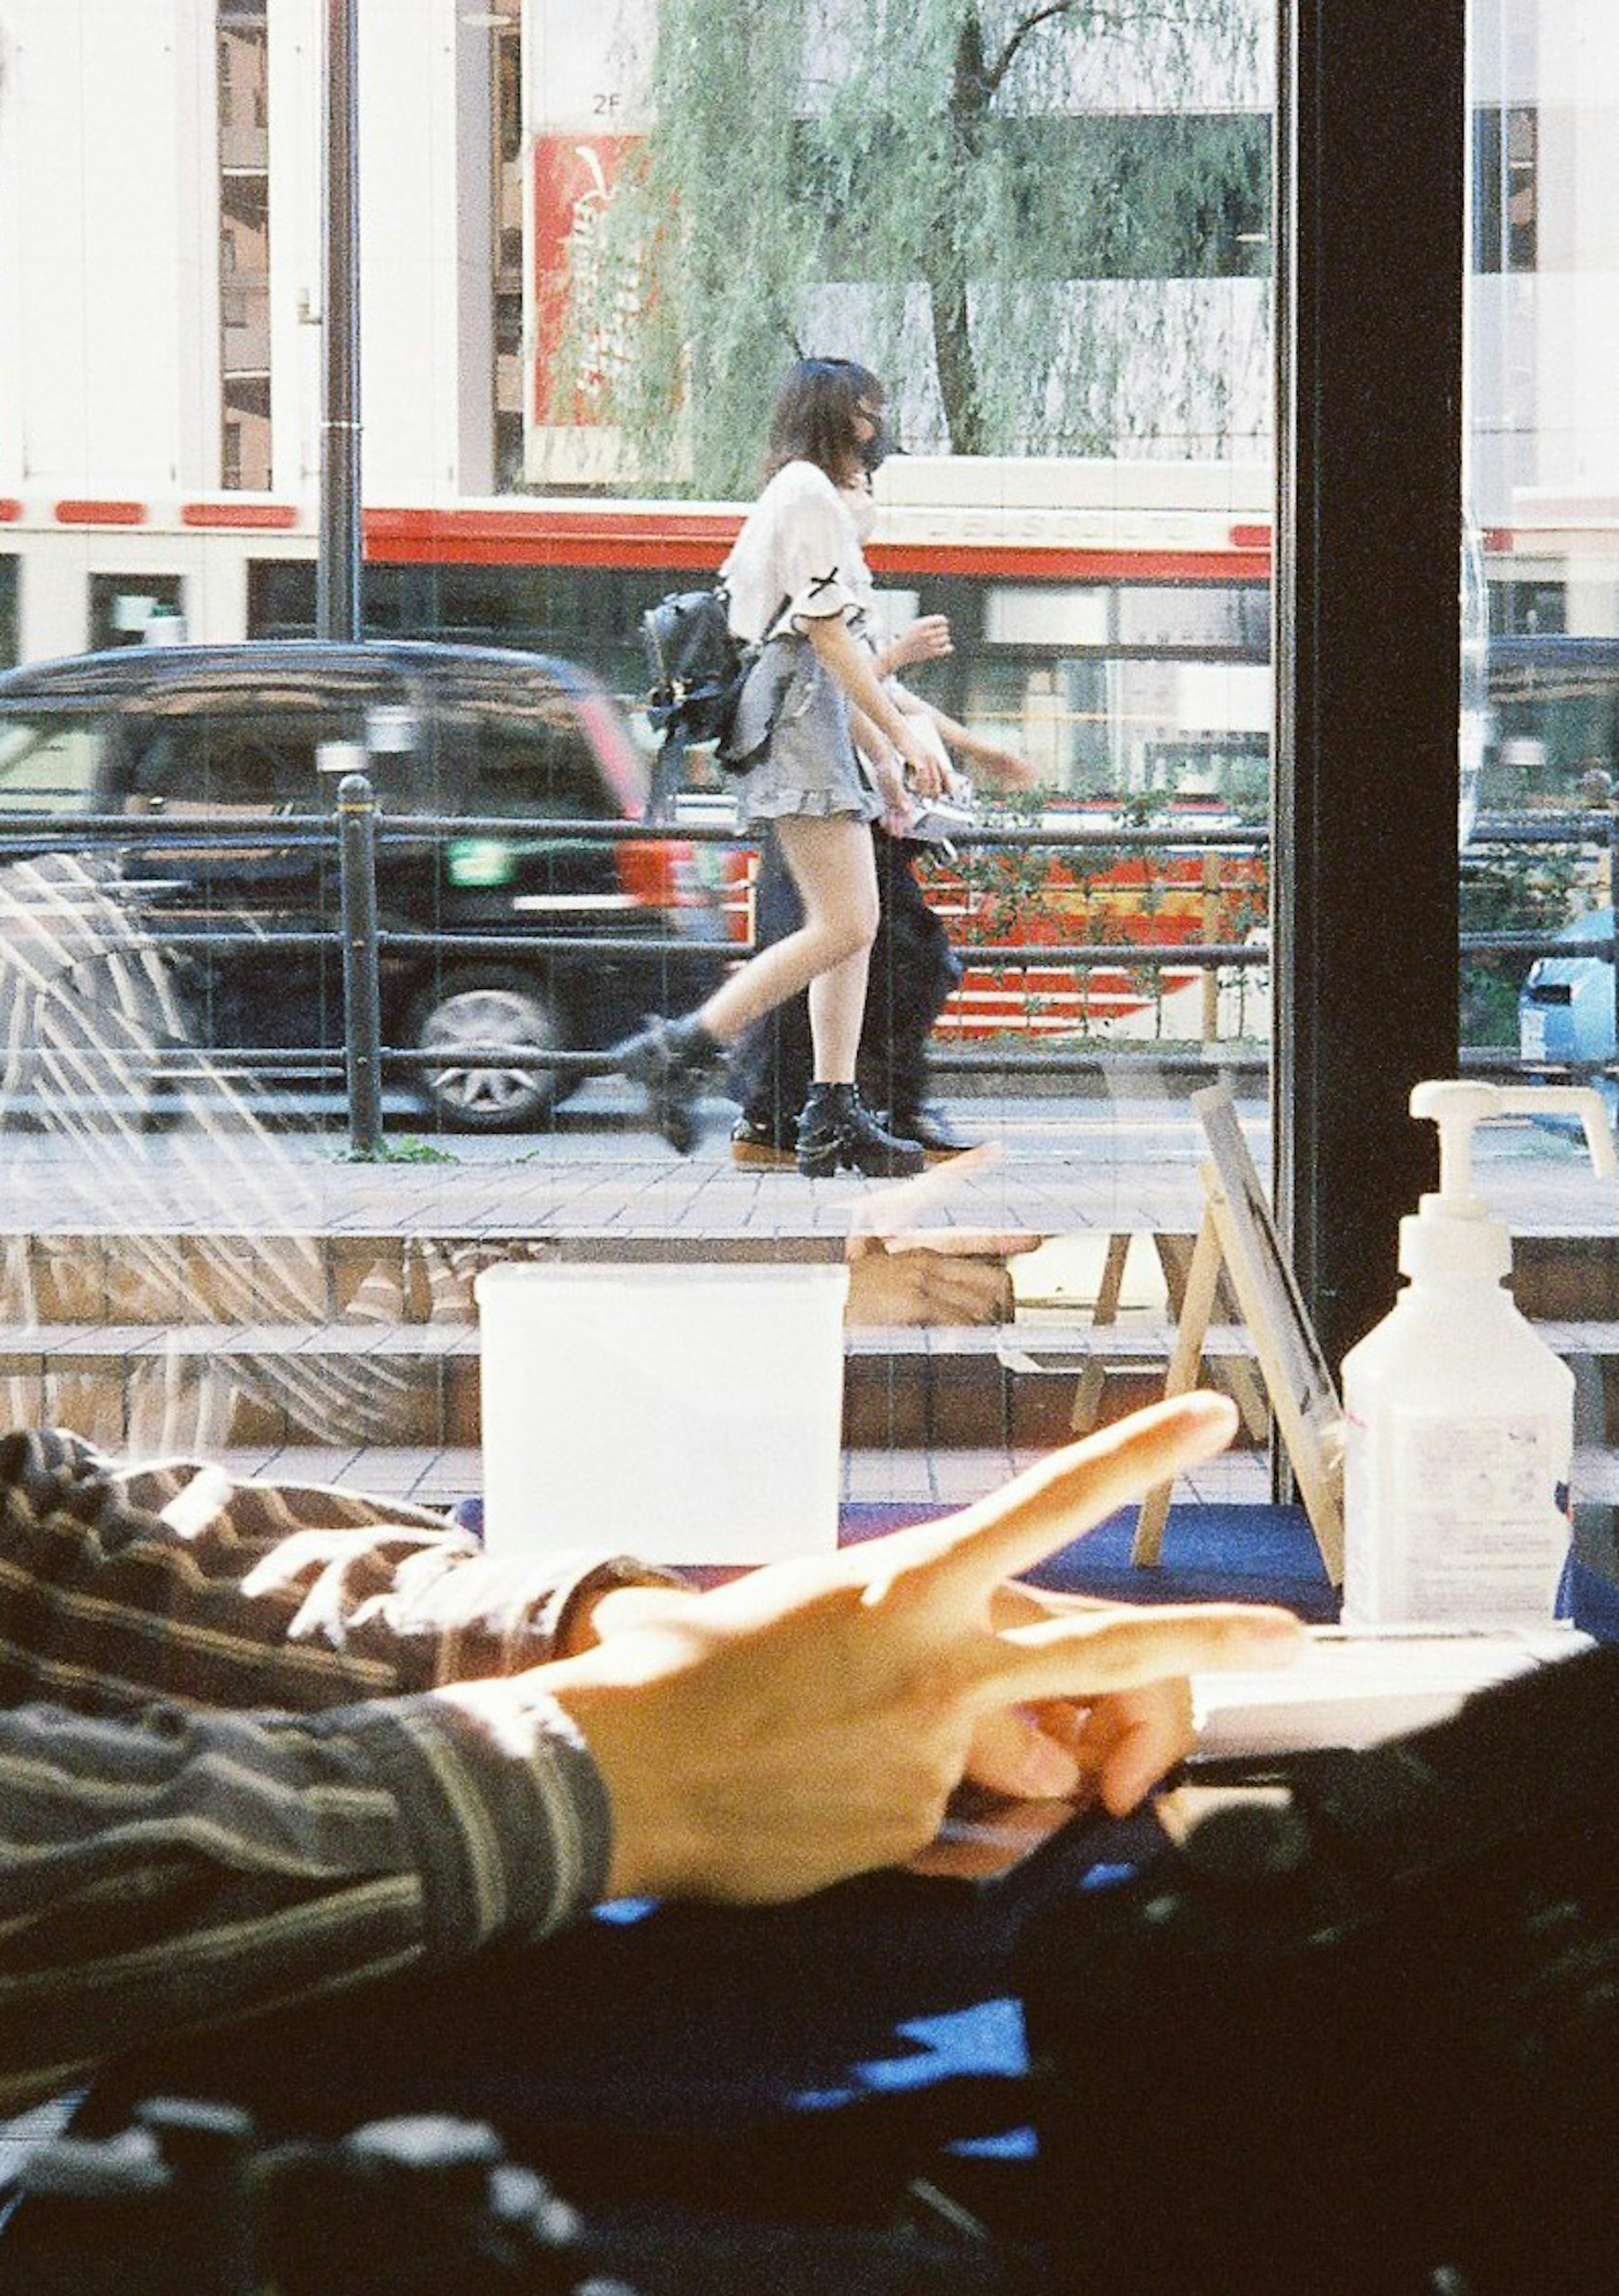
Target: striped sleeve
{"x":118,"y":1583}
{"x":175,"y":1870}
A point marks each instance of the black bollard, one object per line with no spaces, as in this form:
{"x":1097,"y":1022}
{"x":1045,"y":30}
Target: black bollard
{"x":362,"y":1006}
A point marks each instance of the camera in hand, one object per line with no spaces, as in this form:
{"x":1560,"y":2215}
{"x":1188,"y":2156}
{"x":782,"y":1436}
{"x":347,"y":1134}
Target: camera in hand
{"x":1359,"y":2036}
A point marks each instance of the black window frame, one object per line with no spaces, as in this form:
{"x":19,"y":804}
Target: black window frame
{"x":1371,"y":129}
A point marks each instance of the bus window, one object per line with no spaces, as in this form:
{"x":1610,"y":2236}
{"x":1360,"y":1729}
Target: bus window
{"x":136,"y":608}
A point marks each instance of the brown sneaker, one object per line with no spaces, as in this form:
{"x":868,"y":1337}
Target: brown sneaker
{"x":763,"y":1144}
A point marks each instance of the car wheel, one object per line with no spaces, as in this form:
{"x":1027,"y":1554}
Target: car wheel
{"x":492,"y":1006}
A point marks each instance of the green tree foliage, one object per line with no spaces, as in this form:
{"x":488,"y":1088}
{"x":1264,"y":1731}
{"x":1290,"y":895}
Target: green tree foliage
{"x":950,"y":190}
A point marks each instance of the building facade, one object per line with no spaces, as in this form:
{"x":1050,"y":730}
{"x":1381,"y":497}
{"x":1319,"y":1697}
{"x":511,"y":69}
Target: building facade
{"x":161,"y":284}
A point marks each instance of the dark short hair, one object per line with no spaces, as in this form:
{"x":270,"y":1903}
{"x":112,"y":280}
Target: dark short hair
{"x":814,"y":416}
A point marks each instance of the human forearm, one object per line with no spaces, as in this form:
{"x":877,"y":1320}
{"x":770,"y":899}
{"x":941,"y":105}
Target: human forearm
{"x":121,"y":1582}
{"x":1001,"y":763}
{"x":992,"y":757}
{"x":925,"y":639}
{"x":180,"y":1869}
{"x":850,"y":663}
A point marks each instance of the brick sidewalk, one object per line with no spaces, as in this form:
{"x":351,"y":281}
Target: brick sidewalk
{"x":1054,"y":1169}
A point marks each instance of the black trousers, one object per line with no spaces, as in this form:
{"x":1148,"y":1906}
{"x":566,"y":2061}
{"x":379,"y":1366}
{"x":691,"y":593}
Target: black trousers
{"x":913,"y":971}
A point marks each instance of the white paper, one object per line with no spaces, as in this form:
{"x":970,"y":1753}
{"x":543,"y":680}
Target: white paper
{"x":1357,"y":1689}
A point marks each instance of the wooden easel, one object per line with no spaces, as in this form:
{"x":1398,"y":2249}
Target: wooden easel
{"x":1233,"y":1372}
{"x":1238,"y":1236}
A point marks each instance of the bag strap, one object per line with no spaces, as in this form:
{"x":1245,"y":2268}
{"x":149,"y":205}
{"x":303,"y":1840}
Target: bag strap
{"x":668,"y":773}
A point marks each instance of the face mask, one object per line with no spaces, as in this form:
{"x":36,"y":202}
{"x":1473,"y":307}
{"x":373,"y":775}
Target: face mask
{"x":858,"y":503}
{"x":877,"y":449}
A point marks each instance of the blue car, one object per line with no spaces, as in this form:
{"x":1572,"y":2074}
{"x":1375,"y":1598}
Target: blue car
{"x":1565,"y":1006}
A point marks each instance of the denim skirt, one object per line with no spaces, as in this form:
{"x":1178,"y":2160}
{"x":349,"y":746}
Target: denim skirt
{"x":808,"y":763}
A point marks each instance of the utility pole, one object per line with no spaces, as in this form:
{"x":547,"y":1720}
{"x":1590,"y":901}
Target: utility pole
{"x":337,"y":586}
{"x":337,"y":589}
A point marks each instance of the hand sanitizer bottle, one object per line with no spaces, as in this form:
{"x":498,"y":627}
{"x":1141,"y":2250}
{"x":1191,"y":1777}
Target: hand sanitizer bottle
{"x":1459,"y":1417}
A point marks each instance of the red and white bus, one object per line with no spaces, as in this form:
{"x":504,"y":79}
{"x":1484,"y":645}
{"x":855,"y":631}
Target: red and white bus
{"x":1110,"y":620}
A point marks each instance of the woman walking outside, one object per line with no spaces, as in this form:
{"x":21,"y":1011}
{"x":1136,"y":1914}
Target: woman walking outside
{"x":831,"y":751}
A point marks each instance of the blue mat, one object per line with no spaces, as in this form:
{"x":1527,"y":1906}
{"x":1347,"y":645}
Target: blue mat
{"x":1220,"y":1552}
{"x":1215,"y":1551}
{"x":1212,"y":1553}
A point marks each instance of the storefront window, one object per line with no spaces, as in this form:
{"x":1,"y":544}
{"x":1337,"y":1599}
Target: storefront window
{"x":564,"y":408}
{"x":1543,"y":450}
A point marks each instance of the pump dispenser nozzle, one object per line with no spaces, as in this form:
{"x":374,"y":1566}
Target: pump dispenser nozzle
{"x":1455,"y":1107}
{"x":1452,"y":1233}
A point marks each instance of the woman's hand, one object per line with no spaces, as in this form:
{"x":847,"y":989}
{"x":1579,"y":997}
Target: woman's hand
{"x":926,"y":639}
{"x":927,"y":765}
{"x":1005,"y":765}
{"x":899,"y":806}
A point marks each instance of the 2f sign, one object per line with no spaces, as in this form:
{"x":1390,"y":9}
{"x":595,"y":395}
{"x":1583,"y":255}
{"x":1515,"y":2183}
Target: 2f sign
{"x":587,"y":68}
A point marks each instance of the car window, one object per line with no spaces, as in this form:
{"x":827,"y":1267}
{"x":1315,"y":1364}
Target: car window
{"x":525,"y":762}
{"x":50,"y":765}
{"x":222,"y":767}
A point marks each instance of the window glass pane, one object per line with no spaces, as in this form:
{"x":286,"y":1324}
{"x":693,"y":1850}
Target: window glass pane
{"x":48,"y":766}
{"x":566,"y":409}
{"x":1543,"y":442}
{"x":1071,"y":326}
{"x":127,"y":608}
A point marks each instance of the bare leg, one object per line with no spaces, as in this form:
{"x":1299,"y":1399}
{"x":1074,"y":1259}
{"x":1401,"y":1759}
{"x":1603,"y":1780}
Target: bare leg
{"x":832,"y":864}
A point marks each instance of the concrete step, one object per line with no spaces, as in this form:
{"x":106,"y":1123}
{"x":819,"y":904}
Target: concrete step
{"x":371,"y":1338}
{"x":368,"y":1377}
{"x":360,"y":1381}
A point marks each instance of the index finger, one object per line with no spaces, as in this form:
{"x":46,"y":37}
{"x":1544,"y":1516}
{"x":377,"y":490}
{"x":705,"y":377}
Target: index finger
{"x":1050,"y":1504}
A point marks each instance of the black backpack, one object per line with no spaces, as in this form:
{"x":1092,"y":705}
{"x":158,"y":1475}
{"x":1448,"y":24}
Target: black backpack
{"x":697,"y":669}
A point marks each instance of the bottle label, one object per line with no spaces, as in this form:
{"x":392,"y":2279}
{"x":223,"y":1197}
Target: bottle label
{"x":1482,"y":1534}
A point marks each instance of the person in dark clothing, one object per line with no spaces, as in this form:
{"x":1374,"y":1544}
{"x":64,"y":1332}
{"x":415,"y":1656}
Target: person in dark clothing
{"x":913,"y":971}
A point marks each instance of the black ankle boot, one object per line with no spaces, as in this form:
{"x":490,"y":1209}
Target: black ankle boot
{"x":676,"y":1061}
{"x":836,"y":1129}
{"x":928,"y":1126}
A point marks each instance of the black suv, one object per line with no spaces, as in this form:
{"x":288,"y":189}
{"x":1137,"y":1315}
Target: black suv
{"x":213,"y":736}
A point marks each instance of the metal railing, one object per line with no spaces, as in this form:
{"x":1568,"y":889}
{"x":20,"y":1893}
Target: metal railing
{"x":354,"y":835}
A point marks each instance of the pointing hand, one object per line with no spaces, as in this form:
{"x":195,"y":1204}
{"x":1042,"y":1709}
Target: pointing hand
{"x":810,"y":1720}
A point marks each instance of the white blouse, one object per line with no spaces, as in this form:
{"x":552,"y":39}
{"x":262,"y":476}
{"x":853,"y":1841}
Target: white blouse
{"x":797,"y":547}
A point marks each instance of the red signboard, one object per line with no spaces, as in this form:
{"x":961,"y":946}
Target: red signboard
{"x":573,"y":181}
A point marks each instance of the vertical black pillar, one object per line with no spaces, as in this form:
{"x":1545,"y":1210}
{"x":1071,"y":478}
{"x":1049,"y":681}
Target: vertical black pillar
{"x":337,"y":586}
{"x":1372,"y":135}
